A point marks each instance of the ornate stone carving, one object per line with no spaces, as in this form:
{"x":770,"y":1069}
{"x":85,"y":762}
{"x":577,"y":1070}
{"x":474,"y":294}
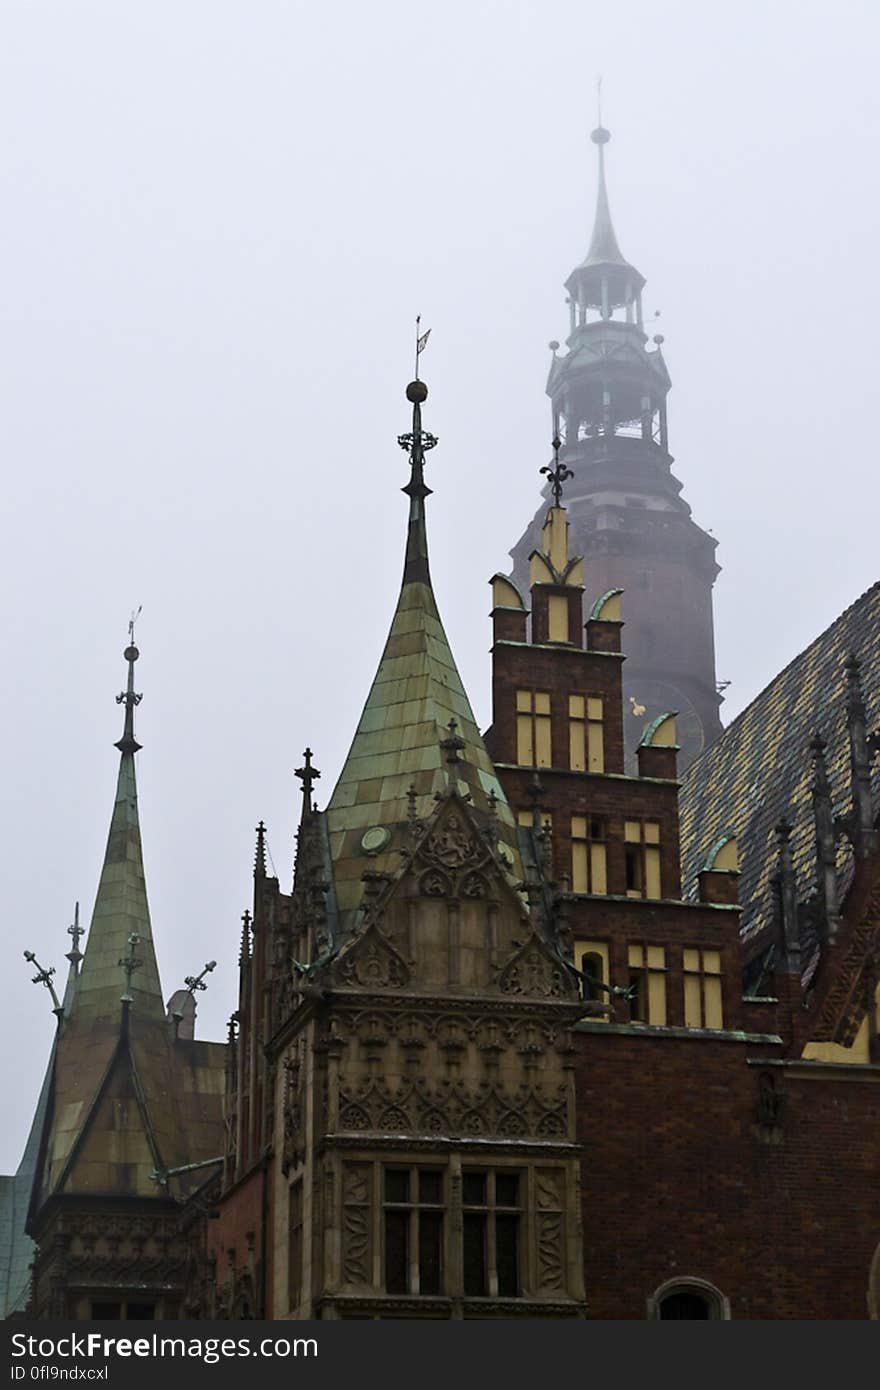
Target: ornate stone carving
{"x":534,"y":972}
{"x":454,"y":1108}
{"x":293,"y":1110}
{"x":356,"y":1243}
{"x":372,"y":962}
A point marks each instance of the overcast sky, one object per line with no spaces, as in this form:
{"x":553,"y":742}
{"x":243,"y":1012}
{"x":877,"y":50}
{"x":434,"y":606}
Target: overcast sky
{"x":218,"y":221}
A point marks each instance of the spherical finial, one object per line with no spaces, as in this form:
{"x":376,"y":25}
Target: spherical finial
{"x":658,"y":339}
{"x":416,"y":392}
{"x":553,"y":345}
{"x":600,"y":136}
{"x":131,"y":653}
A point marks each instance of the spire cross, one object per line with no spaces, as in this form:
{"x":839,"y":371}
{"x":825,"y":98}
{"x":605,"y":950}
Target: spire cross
{"x":194,"y":982}
{"x":76,"y":931}
{"x":308,"y":775}
{"x":558,"y":473}
{"x":130,"y":964}
{"x":128,"y":697}
{"x":44,"y":977}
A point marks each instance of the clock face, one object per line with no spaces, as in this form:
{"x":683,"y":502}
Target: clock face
{"x":643,"y":700}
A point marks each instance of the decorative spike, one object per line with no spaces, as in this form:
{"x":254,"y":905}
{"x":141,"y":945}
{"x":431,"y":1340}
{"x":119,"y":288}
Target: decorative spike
{"x":557,"y":473}
{"x":417,"y":443}
{"x":453,"y":746}
{"x":862,"y":819}
{"x":44,"y":977}
{"x":826,"y":843}
{"x":308,"y":775}
{"x":130,"y":964}
{"x":244,"y":953}
{"x":260,"y":857}
{"x":75,"y":955}
{"x":194,"y":982}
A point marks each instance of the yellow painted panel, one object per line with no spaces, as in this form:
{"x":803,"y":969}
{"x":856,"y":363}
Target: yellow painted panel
{"x":543,"y":756}
{"x":712,"y":988}
{"x":693,"y":1013}
{"x":712,"y":962}
{"x":652,"y":832}
{"x":594,"y":708}
{"x":728,"y":856}
{"x":524,"y":818}
{"x":652,"y":873}
{"x":635,"y":955}
{"x":579,"y":881}
{"x":632,"y":832}
{"x":656,"y":998}
{"x":555,"y":537}
{"x":558,"y":618}
{"x":524,"y":700}
{"x":524,"y":749}
{"x":576,"y":746}
{"x":579,"y":827}
{"x":542,"y":702}
{"x":596,"y":747}
{"x":539,"y":571}
{"x":505,"y":594}
{"x":597,"y":865}
{"x":656,"y":957}
{"x":691,"y":959}
{"x":576,"y":706}
{"x":833,"y":1052}
{"x":664,"y":734}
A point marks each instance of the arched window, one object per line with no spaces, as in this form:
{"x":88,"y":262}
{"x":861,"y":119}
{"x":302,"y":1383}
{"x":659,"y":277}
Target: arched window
{"x":593,"y":967}
{"x":688,"y":1300}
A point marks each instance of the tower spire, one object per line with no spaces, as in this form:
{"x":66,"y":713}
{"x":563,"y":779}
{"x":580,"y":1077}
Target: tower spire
{"x":603,"y":245}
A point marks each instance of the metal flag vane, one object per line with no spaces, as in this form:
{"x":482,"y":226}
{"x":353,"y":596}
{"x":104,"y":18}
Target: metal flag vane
{"x":130,"y":964}
{"x":44,"y":977}
{"x":417,"y":441}
{"x":557,"y":473}
{"x":194,"y":982}
{"x":128,"y":697}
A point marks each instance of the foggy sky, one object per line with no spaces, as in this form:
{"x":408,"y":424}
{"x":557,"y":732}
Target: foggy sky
{"x":219,"y":220}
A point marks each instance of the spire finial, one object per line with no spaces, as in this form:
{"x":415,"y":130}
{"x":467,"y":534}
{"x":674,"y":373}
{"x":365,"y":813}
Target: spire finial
{"x":245,"y":948}
{"x":44,"y":977}
{"x":453,"y":744}
{"x":308,"y":775}
{"x":557,"y":473}
{"x":128,"y":743}
{"x":416,"y":443}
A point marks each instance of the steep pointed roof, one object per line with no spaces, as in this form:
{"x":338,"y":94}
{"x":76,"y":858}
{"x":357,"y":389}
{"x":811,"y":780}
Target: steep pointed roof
{"x":113,"y":1116}
{"x":604,"y":249}
{"x":397,"y":761}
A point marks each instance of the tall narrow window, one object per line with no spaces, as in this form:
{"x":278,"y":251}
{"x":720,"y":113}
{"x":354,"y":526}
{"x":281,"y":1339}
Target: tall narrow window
{"x":588,"y":862}
{"x":492,"y":1210}
{"x":647,"y":984}
{"x":591,"y":958}
{"x":586,"y":741}
{"x":414,"y":1210}
{"x":642,"y":854}
{"x":702,"y":989}
{"x":533,"y":745}
{"x":295,"y":1246}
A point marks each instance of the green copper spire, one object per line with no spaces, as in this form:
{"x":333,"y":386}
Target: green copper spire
{"x":397,"y":762}
{"x":604,"y":249}
{"x":121,"y":908}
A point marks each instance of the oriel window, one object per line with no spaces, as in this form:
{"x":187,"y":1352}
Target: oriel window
{"x":533,"y":742}
{"x":586,"y":738}
{"x":588,"y":854}
{"x":414,"y":1210}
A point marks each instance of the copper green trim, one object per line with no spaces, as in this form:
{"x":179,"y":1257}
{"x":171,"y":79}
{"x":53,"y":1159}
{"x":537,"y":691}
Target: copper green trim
{"x":714,"y":850}
{"x":596,"y":610}
{"x":647,"y":739}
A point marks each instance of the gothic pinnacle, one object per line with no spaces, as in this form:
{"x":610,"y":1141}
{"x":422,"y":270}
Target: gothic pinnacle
{"x":308,"y":775}
{"x":260,"y":857}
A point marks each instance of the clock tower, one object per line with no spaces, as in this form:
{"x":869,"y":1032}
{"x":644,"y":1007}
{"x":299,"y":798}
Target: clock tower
{"x":627,"y":516}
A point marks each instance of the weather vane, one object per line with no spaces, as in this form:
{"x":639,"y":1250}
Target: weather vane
{"x":194,"y":982}
{"x":44,"y":977}
{"x":558,"y":473}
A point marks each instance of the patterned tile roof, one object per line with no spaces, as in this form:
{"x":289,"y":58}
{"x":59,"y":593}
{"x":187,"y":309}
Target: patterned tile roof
{"x":760,"y":769}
